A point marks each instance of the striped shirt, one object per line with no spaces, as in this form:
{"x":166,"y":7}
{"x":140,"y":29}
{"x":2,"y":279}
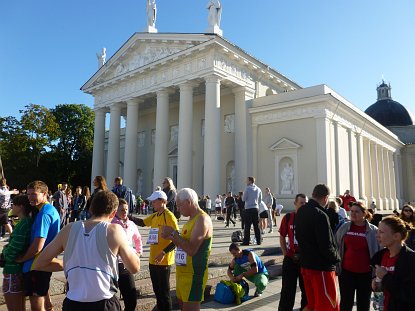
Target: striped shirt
{"x":18,"y":244}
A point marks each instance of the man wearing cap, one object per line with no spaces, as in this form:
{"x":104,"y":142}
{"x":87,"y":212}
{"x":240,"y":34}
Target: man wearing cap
{"x":161,"y":249}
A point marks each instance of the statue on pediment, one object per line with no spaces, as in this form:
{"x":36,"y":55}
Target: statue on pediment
{"x":151,"y":13}
{"x":101,"y":57}
{"x":215,"y":12}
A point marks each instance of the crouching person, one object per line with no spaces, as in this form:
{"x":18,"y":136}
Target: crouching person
{"x":246,"y":263}
{"x":90,"y":261}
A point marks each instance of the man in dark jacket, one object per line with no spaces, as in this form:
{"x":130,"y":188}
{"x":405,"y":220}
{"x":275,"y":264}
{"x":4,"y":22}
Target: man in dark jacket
{"x":319,"y":253}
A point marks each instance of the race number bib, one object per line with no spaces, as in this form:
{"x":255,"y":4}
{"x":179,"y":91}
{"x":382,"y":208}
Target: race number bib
{"x":180,"y":257}
{"x":153,"y":236}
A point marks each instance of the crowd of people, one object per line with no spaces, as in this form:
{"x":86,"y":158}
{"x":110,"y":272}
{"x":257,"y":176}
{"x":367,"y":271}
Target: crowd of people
{"x":324,"y":243}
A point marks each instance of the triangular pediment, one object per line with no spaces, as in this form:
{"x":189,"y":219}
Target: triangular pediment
{"x":141,"y":50}
{"x":283,"y":144}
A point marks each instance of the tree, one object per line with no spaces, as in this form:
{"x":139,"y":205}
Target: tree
{"x":39,"y":125}
{"x":75,"y":142}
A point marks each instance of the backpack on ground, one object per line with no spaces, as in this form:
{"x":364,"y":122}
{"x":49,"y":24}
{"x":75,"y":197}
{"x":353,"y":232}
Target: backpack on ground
{"x":237,"y":236}
{"x":224,"y":294}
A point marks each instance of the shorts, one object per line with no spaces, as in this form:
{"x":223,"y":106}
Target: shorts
{"x":320,"y":288}
{"x":36,"y":283}
{"x":263,"y":214}
{"x":218,"y":208}
{"x":111,"y":304}
{"x":190,"y":288}
{"x":13,"y":283}
{"x":4,"y":218}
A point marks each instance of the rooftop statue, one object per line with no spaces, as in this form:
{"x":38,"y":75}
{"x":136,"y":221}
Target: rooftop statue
{"x":215,"y":12}
{"x":151,"y":13}
{"x":101,"y":57}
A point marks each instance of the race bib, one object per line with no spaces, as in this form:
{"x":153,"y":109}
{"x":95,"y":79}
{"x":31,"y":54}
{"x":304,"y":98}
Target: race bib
{"x":153,"y":236}
{"x":180,"y":257}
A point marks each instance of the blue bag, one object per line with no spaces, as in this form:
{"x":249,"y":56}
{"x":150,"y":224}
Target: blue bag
{"x":224,"y":294}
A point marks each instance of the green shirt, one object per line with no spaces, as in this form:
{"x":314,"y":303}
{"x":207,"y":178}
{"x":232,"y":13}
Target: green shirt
{"x":18,"y":244}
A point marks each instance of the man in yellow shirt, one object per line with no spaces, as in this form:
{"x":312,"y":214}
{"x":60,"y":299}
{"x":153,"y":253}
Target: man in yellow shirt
{"x":161,"y":249}
{"x":193,"y":248}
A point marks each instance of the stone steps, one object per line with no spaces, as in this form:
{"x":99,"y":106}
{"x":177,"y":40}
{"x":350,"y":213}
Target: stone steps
{"x":218,"y":265}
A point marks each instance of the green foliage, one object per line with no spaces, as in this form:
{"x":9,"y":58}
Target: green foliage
{"x":51,"y":145}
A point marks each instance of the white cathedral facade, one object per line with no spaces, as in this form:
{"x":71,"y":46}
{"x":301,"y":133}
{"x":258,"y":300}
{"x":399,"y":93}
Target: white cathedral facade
{"x":201,"y":110}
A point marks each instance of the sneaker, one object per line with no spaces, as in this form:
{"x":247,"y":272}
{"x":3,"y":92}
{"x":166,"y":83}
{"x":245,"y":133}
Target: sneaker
{"x":263,"y":231}
{"x":257,"y":294}
{"x":226,"y":226}
{"x":270,"y":231}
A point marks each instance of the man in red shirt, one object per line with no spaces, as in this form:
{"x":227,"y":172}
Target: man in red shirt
{"x":290,"y":266}
{"x":347,"y":198}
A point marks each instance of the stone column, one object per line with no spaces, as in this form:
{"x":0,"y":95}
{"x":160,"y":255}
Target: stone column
{"x":382,"y":180}
{"x":398,"y":176}
{"x":352,"y":155}
{"x":254,"y":150}
{"x":324,"y":173}
{"x":375,"y":173}
{"x":212,"y":160}
{"x":393,"y":181}
{"x":131,"y":146}
{"x":162,"y":137}
{"x":113,"y":159}
{"x":184,"y":158}
{"x":99,"y":141}
{"x":388,"y":181}
{"x":337,"y":157}
{"x":370,"y":169}
{"x":241,"y":156}
{"x":360,"y":168}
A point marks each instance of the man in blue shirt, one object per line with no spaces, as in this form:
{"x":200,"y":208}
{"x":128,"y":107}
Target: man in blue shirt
{"x":45,"y":227}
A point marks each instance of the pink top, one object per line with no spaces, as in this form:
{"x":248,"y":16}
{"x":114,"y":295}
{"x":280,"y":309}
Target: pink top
{"x":132,"y":233}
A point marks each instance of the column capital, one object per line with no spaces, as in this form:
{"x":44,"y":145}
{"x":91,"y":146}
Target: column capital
{"x":187,"y":86}
{"x":134,"y":101}
{"x":115,"y":107}
{"x":100,"y":110}
{"x":243,"y":89}
{"x":165,"y":92}
{"x":212,"y":79}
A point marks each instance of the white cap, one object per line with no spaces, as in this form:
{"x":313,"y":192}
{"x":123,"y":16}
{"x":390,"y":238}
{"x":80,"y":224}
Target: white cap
{"x":157,"y":195}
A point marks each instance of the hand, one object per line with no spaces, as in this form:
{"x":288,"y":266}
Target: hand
{"x":380,"y":271}
{"x":166,"y":232}
{"x":159,"y":257}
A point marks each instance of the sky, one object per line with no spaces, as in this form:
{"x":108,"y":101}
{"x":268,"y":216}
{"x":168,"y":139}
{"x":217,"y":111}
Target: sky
{"x":47,"y":47}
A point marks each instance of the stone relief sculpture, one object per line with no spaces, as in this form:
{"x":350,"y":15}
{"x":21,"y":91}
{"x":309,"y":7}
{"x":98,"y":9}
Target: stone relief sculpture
{"x":229,"y":126}
{"x":287,"y":178}
{"x":215,"y":12}
{"x":151,"y":13}
{"x":101,"y":57}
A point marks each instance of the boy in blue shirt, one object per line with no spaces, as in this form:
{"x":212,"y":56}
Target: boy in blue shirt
{"x":45,"y":227}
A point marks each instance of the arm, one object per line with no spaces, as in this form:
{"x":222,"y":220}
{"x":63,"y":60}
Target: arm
{"x":47,"y":260}
{"x":118,"y":243}
{"x":283,"y":234}
{"x":138,"y":221}
{"x":201,"y":230}
{"x":283,"y":245}
{"x":230,"y":271}
{"x":252,"y":271}
{"x":34,"y":249}
{"x":137,"y":241}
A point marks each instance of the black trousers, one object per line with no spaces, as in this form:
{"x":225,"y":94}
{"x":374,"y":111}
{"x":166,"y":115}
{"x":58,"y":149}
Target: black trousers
{"x":160,"y":277}
{"x":349,"y":282}
{"x":242,"y":214}
{"x":229,"y":211}
{"x":111,"y":304}
{"x":127,"y":288}
{"x":290,"y":273}
{"x":251,"y":218}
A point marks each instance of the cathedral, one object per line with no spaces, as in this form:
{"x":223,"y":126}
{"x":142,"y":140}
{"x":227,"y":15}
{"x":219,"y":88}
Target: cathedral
{"x":203,"y":111}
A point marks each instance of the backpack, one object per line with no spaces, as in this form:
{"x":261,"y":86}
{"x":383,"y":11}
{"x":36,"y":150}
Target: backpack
{"x":224,"y":294}
{"x":237,"y":236}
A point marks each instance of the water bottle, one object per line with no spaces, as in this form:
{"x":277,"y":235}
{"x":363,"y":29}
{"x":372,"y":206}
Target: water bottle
{"x":378,"y":295}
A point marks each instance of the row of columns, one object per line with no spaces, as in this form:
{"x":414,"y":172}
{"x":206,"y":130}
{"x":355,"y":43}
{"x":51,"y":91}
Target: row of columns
{"x":212,"y":161}
{"x":378,"y":183}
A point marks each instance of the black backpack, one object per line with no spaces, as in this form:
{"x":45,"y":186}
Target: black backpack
{"x":237,"y":236}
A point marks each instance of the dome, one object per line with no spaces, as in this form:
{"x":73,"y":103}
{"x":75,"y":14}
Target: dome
{"x":390,"y":113}
{"x":387,"y":111}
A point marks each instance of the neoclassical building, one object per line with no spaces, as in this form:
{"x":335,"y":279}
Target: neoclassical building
{"x":205,"y":112}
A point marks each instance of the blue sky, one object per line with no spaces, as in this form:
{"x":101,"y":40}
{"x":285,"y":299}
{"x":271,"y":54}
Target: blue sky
{"x":48,"y":47}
